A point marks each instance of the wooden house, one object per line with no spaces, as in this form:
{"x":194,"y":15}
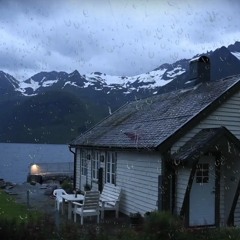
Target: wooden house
{"x":178,"y":151}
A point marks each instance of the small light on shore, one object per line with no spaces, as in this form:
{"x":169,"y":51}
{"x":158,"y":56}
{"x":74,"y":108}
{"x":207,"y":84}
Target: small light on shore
{"x":35,"y":169}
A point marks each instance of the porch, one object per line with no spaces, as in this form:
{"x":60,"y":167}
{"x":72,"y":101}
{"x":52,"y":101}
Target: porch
{"x":208,"y":180}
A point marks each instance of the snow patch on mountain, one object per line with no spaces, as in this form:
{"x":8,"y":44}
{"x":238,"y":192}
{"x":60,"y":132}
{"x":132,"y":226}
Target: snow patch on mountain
{"x":236,"y":54}
{"x":70,"y":83}
{"x":175,"y":72}
{"x":24,"y":86}
{"x":30,"y":84}
{"x":150,"y":80}
{"x":49,"y":83}
{"x":100,"y":81}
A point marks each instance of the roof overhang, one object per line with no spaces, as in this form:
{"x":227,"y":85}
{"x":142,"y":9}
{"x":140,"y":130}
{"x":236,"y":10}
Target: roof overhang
{"x":203,"y":142}
{"x":112,"y":148}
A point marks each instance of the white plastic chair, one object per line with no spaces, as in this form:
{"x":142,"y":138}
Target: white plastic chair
{"x":89,"y":207}
{"x":58,"y":197}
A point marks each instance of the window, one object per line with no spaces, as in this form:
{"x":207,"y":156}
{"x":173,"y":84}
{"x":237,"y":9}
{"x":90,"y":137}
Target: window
{"x":111,"y":168}
{"x":202,"y":173}
{"x":85,"y":156}
{"x":95,"y":166}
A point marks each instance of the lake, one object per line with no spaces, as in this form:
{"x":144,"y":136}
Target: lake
{"x":16,"y":158}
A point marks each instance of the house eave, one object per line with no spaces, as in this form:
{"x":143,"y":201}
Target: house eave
{"x":182,"y":130}
{"x":113,"y":148}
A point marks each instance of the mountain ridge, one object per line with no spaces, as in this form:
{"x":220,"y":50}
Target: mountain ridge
{"x":89,"y":97}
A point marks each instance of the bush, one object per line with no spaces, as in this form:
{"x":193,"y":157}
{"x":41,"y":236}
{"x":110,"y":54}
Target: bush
{"x":67,"y":185}
{"x":162,"y":225}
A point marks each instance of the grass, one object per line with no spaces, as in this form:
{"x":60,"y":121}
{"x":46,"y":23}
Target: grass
{"x":18,"y":222}
{"x":11,"y":210}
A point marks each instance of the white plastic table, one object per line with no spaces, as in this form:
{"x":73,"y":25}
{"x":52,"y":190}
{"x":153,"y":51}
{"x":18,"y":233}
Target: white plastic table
{"x":71,"y":198}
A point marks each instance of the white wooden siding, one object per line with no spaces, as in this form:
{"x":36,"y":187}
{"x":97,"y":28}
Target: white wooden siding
{"x":137,"y":175}
{"x":77,"y":183}
{"x":227,"y":115}
{"x":182,"y":179}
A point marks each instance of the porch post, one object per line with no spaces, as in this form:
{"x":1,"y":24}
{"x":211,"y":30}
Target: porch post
{"x":217,"y":187}
{"x":165,"y":189}
{"x":160,"y":193}
{"x":185,"y":206}
{"x":230,"y":220}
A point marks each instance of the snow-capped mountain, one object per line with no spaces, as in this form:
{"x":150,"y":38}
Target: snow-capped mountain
{"x":99,"y":82}
{"x":53,"y":107}
{"x":151,"y":82}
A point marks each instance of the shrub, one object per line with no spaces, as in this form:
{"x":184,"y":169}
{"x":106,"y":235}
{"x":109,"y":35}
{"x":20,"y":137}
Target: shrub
{"x":67,"y":185}
{"x":162,"y":225}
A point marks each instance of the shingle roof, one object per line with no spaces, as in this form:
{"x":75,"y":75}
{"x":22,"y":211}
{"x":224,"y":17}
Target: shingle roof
{"x":150,"y":122}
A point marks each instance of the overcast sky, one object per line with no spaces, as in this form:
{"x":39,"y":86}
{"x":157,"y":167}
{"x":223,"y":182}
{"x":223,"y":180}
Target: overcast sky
{"x":116,"y":37}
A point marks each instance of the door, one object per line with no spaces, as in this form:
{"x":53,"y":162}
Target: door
{"x":202,"y":195}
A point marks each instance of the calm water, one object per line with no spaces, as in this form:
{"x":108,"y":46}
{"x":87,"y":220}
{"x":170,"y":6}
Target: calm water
{"x":15,"y":158}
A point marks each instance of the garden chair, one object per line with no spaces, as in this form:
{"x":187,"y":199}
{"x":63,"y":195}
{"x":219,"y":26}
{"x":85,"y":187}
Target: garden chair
{"x":109,"y":199}
{"x":89,"y":207}
{"x":58,"y":197}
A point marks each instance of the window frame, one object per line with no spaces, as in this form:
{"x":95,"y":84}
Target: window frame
{"x":85,"y":156}
{"x":202,"y":173}
{"x":95,"y":165}
{"x":110,"y":168}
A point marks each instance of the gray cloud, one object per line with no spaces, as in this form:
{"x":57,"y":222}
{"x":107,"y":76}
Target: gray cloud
{"x":114,"y":37}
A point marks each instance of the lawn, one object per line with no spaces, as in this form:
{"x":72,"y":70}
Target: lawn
{"x":20,"y":223}
{"x":10,"y":210}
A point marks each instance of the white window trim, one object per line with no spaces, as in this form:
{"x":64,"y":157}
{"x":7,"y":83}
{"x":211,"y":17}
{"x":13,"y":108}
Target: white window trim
{"x":84,"y":162}
{"x":110,"y":174}
{"x":96,"y":156}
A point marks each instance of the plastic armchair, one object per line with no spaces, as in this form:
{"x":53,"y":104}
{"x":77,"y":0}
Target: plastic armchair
{"x":58,"y":197}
